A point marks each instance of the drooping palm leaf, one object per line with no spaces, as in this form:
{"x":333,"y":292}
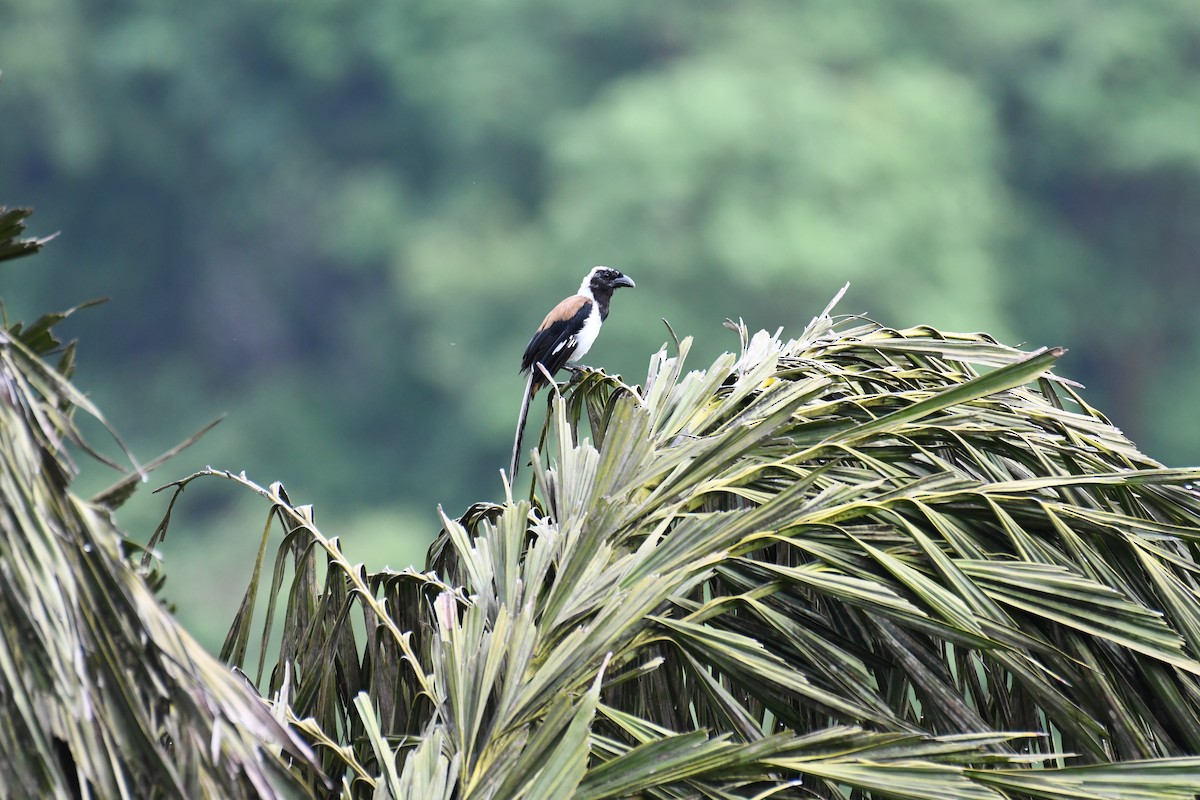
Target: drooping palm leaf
{"x":899,"y":563}
{"x":12,"y":226}
{"x":103,"y":694}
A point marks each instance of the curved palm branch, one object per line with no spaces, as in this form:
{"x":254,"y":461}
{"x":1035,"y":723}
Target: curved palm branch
{"x":103,"y":694}
{"x":863,"y":562}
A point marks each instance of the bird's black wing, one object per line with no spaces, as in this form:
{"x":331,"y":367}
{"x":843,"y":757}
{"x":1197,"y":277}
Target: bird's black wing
{"x":555,"y":340}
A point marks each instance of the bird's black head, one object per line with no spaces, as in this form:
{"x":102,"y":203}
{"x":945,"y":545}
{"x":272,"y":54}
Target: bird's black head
{"x":603,"y":280}
{"x":600,"y":284}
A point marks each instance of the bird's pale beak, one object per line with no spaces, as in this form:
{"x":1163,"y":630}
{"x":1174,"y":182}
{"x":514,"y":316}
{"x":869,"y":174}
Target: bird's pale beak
{"x":624,"y":280}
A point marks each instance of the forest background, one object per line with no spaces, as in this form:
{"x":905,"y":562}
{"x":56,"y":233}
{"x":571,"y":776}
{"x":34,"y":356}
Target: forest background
{"x":338,"y":222}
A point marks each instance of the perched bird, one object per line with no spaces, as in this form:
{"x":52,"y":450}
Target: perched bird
{"x":564,"y":336}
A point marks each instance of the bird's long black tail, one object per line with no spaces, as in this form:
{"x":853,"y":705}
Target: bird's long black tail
{"x":516,"y":454}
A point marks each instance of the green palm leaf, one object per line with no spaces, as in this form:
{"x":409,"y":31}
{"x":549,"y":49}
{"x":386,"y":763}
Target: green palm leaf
{"x":103,"y":694}
{"x":862,"y":562}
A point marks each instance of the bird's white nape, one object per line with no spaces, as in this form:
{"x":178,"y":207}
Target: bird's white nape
{"x":585,"y":288}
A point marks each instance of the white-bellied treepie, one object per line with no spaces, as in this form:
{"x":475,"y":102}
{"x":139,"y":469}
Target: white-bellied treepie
{"x":564,"y":336}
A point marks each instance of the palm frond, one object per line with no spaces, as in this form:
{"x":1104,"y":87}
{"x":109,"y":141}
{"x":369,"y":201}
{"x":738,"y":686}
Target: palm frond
{"x":12,"y":226}
{"x":863,"y":561}
{"x":103,"y":693}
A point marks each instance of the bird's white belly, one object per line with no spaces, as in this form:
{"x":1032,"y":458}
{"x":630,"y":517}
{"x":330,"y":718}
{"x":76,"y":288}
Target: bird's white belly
{"x":586,"y":336}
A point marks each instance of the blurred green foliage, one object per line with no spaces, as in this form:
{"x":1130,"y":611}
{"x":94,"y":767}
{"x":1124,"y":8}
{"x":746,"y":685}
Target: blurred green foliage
{"x":338,"y":222}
